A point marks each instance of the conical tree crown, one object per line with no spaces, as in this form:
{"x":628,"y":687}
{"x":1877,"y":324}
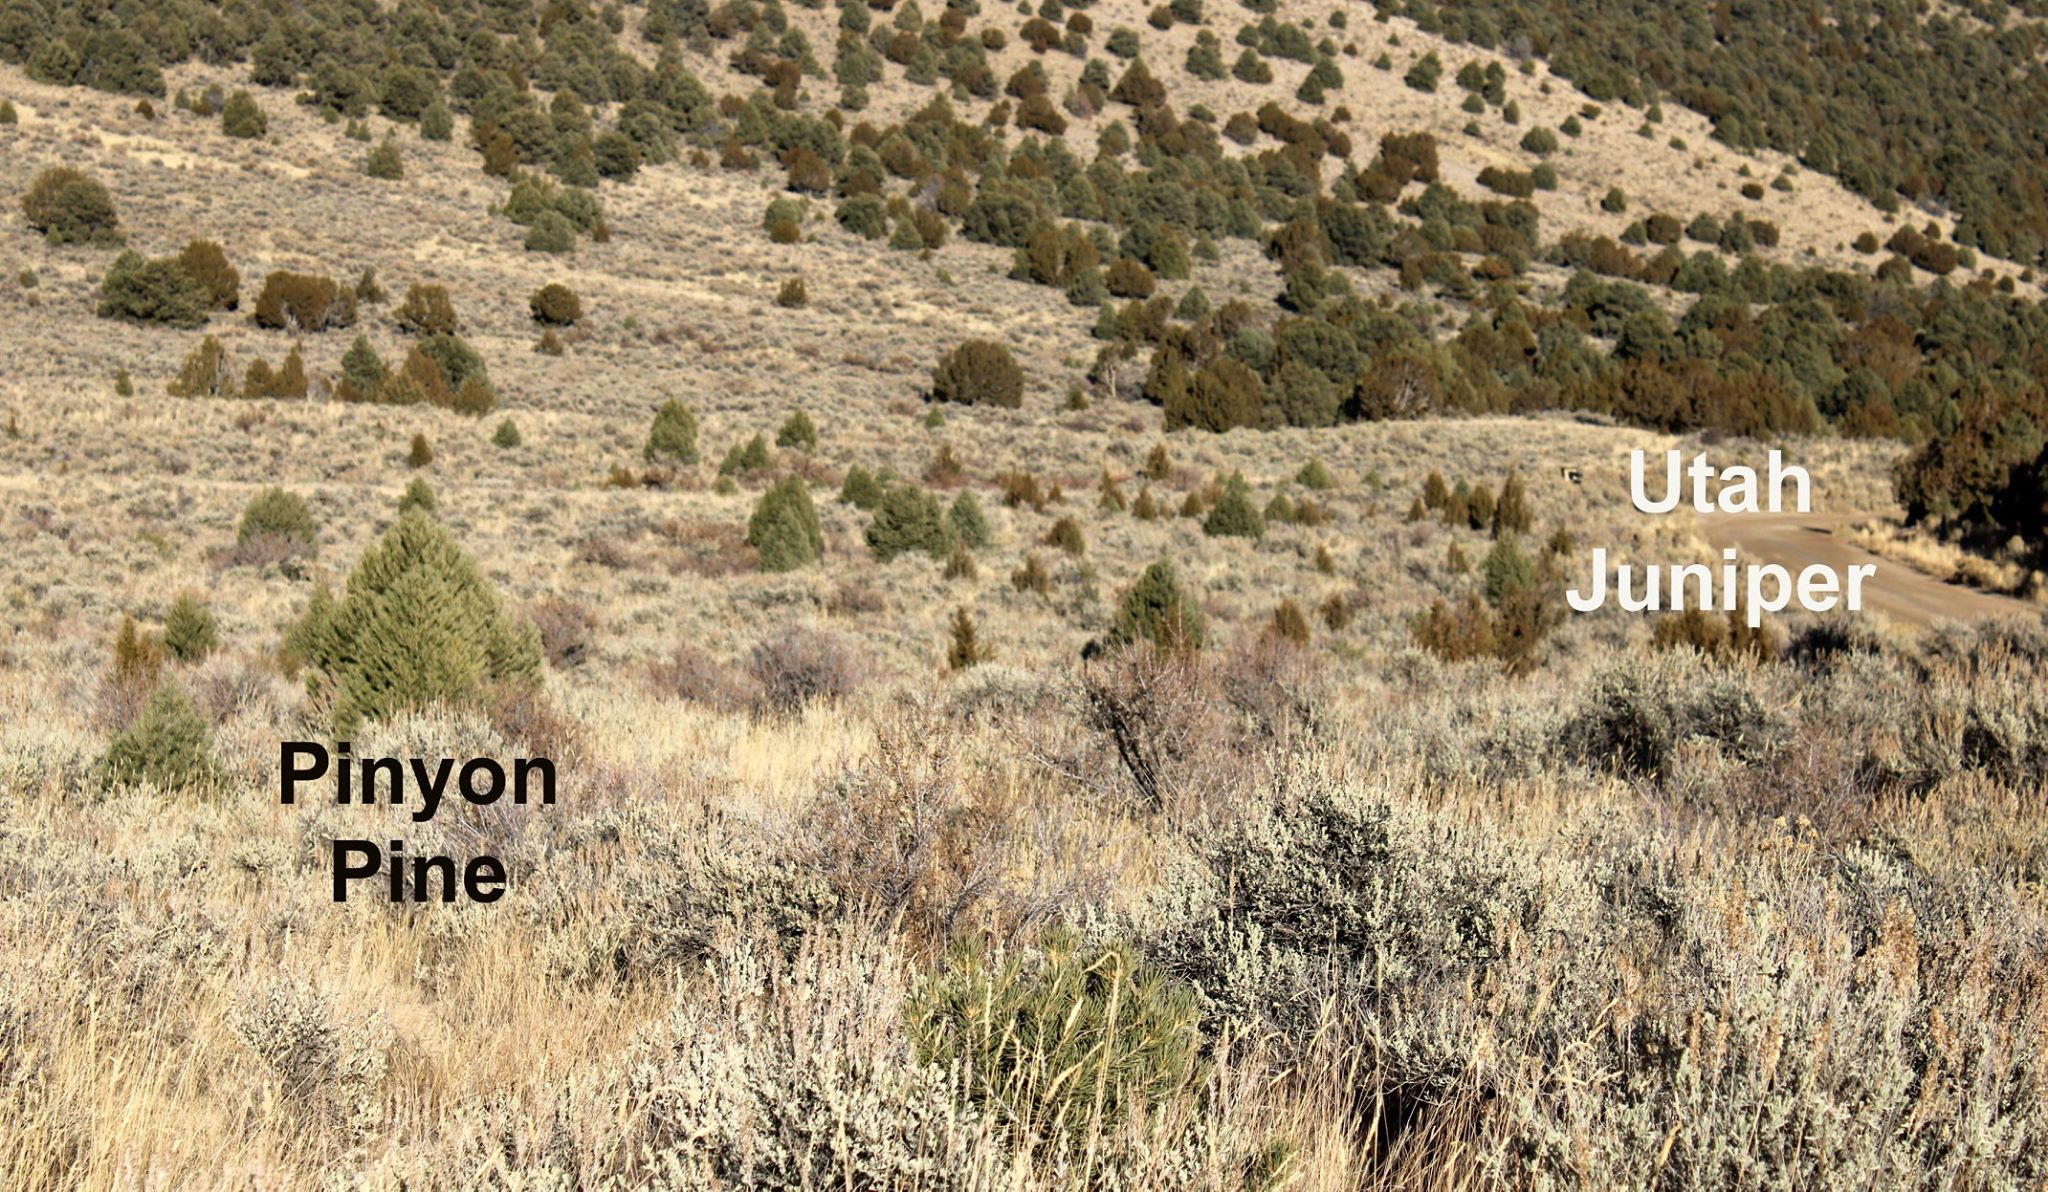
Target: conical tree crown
{"x":419,"y":624}
{"x":784,"y":528}
{"x":1158,"y":611}
{"x":169,"y":745}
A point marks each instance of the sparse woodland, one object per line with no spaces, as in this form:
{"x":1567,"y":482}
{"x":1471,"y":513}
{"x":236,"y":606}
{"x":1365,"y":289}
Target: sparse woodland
{"x":1035,"y":539}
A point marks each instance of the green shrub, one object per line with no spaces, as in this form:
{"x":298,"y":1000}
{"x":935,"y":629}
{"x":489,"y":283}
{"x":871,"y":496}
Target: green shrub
{"x":615,"y":155}
{"x":420,"y":453}
{"x":1506,"y":570}
{"x":1315,"y":477}
{"x":158,"y":291}
{"x":1071,"y":1042}
{"x":907,"y":519}
{"x":362,"y":373}
{"x":783,"y":220}
{"x":672,"y":435}
{"x":507,"y":435}
{"x":170,"y":745}
{"x":190,"y":631}
{"x":450,"y":353}
{"x":784,"y":527}
{"x":979,"y":371}
{"x":1540,"y":141}
{"x":550,"y":232}
{"x":70,"y":207}
{"x":860,"y":489}
{"x":419,"y":624}
{"x":865,"y":216}
{"x":205,"y":372}
{"x":207,"y":264}
{"x":418,"y":495}
{"x":555,"y":305}
{"x":1234,"y":515}
{"x":793,"y":294}
{"x":437,"y":123}
{"x":750,"y":456}
{"x":1425,"y":73}
{"x":967,"y":521}
{"x":798,"y":432}
{"x":303,"y":302}
{"x":385,"y":162}
{"x":1156,"y":610}
{"x":428,"y":310}
{"x":281,"y":516}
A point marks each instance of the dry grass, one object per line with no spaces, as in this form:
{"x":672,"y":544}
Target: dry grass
{"x":1946,"y":561}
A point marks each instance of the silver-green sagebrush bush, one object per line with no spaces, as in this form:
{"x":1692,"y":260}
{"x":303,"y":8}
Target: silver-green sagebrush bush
{"x":793,"y":1074}
{"x":329,"y":1067}
{"x":1621,"y":1010}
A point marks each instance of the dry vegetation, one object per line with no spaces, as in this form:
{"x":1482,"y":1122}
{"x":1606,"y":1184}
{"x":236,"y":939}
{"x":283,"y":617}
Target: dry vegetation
{"x":833,"y":898}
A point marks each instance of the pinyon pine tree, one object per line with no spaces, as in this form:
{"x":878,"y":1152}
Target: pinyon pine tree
{"x":907,"y":519}
{"x":1157,"y":610}
{"x":674,"y":434}
{"x":418,"y":624}
{"x":861,"y":490}
{"x":418,"y":495}
{"x":798,"y":432}
{"x":190,"y":631}
{"x":1234,"y":515}
{"x":170,"y":745}
{"x":784,"y":527}
{"x":968,"y":522}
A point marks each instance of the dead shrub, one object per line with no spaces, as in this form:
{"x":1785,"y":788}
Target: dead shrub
{"x":802,"y":667}
{"x":854,"y":598}
{"x":1158,"y":710}
{"x":1277,"y":688}
{"x":903,"y":837}
{"x":710,"y":549}
{"x":565,"y":629}
{"x":694,"y":676}
{"x":603,"y":551}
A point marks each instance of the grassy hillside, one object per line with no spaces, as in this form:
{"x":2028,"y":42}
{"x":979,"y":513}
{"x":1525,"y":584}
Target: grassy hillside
{"x":1036,"y":540}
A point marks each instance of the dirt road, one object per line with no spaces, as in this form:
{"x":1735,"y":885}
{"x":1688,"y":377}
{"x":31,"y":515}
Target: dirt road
{"x":1898,"y":592}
